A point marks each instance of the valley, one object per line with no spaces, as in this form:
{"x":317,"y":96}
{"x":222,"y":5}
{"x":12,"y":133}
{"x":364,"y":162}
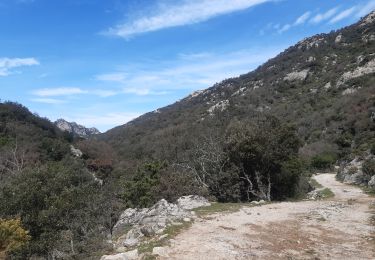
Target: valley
{"x":274,"y":163}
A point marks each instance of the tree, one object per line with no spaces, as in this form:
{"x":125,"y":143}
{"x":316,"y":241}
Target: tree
{"x":260,"y":149}
{"x":254,"y":160}
{"x":12,"y":236}
{"x":58,"y":198}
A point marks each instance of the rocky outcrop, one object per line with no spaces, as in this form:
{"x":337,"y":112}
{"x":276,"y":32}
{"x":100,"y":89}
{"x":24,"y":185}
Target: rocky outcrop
{"x":130,"y":255}
{"x":297,"y":75}
{"x":368,"y":68}
{"x":136,"y":224}
{"x":192,"y":202}
{"x":76,"y":152}
{"x":352,"y":173}
{"x":76,"y":129}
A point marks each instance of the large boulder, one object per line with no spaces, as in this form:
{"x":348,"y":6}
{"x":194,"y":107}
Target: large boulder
{"x":192,"y":202}
{"x":130,"y":255}
{"x":135,"y":224}
{"x":352,"y":172}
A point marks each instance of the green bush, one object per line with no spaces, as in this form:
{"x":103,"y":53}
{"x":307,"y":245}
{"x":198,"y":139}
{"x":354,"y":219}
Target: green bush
{"x":323,"y":161}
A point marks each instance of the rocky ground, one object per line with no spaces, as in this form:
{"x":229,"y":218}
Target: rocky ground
{"x":335,"y":228}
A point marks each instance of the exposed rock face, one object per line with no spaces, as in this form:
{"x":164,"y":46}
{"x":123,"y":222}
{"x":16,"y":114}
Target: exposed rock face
{"x":152,"y":221}
{"x":192,"y":202}
{"x":76,"y":152}
{"x":371,"y":183}
{"x":221,"y":106}
{"x":368,"y":68}
{"x":130,"y":255}
{"x":352,"y":173}
{"x":297,"y":75}
{"x":76,"y":129}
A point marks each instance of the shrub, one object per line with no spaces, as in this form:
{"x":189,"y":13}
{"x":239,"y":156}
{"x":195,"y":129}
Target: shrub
{"x":12,"y":236}
{"x":323,"y":161}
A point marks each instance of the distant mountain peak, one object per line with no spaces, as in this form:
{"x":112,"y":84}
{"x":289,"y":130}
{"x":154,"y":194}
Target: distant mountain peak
{"x":76,"y":129}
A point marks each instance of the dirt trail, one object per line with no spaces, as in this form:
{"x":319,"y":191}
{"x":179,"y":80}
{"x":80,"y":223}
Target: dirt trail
{"x":337,"y":228}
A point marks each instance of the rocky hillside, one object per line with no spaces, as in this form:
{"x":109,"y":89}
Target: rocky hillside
{"x":324,"y":85}
{"x":76,"y":129}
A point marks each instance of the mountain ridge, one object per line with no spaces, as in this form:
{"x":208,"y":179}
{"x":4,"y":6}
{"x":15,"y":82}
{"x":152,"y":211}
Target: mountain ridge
{"x":314,"y":84}
{"x":76,"y":129}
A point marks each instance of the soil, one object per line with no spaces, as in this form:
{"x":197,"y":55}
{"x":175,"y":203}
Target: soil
{"x":336,"y":228}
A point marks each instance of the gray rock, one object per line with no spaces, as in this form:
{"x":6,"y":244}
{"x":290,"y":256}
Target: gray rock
{"x":153,"y":229}
{"x":192,"y":202}
{"x":150,"y":222}
{"x":132,"y":255}
{"x":130,"y":242}
{"x":75,"y":152}
{"x":76,"y":129}
{"x":121,"y":256}
{"x":129,"y":255}
{"x":352,"y":172}
{"x":160,"y":251}
{"x":371,"y":183}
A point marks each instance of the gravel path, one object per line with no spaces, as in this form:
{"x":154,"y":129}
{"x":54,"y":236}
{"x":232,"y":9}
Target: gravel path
{"x":336,"y":228}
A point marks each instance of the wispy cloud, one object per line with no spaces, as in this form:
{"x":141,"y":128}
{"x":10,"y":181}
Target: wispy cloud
{"x":145,"y":92}
{"x":190,"y":71}
{"x":286,"y":27}
{"x":303,"y":18}
{"x":54,"y":92}
{"x":104,"y":93}
{"x":184,"y":13}
{"x":8,"y":64}
{"x":324,"y":16}
{"x":113,"y":77}
{"x":45,"y":93}
{"x":48,"y":101}
{"x":343,"y":14}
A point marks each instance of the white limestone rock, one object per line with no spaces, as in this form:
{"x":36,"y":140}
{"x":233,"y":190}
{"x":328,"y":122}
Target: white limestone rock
{"x":297,"y":75}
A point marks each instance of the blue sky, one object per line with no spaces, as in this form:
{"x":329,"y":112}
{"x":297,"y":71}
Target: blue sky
{"x":102,"y":63}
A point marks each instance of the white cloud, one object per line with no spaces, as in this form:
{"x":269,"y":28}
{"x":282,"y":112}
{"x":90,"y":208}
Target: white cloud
{"x":48,"y":100}
{"x":114,"y":77}
{"x":344,"y":14}
{"x":184,"y":13}
{"x":7,"y":64}
{"x":144,"y":92}
{"x":324,"y":16}
{"x":71,"y":91}
{"x":104,"y":93}
{"x":285,"y":28}
{"x":193,"y":56}
{"x":54,"y":92}
{"x":192,"y":71}
{"x":299,"y":21}
{"x":302,"y":19}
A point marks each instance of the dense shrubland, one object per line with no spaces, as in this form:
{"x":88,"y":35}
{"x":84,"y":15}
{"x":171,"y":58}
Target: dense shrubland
{"x":68,"y":206}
